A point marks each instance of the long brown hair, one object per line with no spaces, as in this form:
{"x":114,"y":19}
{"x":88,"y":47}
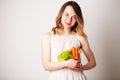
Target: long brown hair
{"x":78,"y":27}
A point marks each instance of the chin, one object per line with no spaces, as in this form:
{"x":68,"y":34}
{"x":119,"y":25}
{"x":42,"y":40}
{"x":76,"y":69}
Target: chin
{"x":68,"y":26}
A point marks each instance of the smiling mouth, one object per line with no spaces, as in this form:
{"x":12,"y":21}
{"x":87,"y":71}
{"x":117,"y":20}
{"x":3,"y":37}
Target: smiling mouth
{"x":68,"y":23}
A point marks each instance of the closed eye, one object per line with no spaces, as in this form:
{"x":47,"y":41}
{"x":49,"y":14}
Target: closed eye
{"x":74,"y":17}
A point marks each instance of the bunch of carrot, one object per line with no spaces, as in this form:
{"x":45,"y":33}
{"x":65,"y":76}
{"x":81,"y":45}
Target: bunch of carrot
{"x":75,"y":52}
{"x":68,"y":54}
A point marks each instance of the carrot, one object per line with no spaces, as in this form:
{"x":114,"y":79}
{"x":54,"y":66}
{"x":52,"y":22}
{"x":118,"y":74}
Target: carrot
{"x":75,"y":52}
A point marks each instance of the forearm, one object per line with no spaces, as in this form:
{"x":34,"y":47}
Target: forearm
{"x":89,"y":65}
{"x":52,"y":66}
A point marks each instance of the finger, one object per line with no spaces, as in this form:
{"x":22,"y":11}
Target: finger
{"x":76,"y":58}
{"x":80,"y":65}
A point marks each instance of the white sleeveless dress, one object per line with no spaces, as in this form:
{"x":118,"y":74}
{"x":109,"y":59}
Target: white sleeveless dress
{"x":59,"y":44}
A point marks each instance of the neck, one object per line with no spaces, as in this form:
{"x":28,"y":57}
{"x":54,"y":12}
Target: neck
{"x":67,"y":32}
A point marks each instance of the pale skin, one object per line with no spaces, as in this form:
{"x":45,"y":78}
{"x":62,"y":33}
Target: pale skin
{"x":68,"y":20}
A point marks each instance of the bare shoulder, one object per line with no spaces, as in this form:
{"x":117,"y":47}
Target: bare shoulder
{"x":46,"y":36}
{"x":84,"y":40}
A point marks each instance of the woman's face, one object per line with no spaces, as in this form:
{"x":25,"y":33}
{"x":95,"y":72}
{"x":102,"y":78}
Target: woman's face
{"x":68,"y":17}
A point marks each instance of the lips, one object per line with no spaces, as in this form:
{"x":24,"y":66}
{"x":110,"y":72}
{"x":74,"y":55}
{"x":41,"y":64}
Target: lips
{"x":68,"y":23}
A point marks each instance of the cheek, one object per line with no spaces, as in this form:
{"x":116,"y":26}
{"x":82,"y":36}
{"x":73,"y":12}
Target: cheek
{"x":62,"y":20}
{"x":73,"y":23}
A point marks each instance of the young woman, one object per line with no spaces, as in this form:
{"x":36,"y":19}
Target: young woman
{"x":67,"y":33}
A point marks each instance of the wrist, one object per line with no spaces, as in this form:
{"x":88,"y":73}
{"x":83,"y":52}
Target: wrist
{"x":65,"y":63}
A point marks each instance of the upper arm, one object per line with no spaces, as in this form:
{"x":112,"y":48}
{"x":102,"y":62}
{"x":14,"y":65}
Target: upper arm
{"x":45,"y":48}
{"x":87,"y":50}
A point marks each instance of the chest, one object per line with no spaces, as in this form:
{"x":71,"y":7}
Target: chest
{"x":63,"y":43}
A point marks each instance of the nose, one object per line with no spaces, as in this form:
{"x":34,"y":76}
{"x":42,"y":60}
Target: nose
{"x":69,"y":19}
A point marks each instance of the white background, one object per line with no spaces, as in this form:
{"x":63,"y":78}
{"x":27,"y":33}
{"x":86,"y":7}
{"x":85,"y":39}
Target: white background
{"x":23,"y":22}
